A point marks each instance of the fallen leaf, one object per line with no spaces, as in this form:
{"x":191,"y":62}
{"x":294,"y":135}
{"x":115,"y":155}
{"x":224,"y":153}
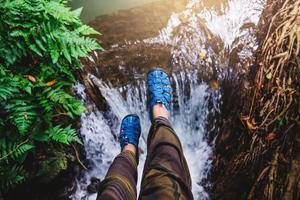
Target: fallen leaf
{"x":269,"y":76}
{"x":51,"y":83}
{"x":202,"y":55}
{"x":31,"y":78}
{"x":271,"y":136}
{"x":249,"y":124}
{"x":214,"y":84}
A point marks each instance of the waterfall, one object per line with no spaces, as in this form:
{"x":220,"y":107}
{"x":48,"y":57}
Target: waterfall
{"x":195,"y":103}
{"x":189,"y":118}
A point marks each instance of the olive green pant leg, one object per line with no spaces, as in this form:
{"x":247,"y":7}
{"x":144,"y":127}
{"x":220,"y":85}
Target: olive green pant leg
{"x":120,"y":181}
{"x":166,"y":175}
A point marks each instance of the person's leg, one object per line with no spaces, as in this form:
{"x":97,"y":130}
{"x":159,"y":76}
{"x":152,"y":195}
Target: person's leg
{"x":120,"y":181}
{"x":166,"y":175}
{"x":121,"y":178}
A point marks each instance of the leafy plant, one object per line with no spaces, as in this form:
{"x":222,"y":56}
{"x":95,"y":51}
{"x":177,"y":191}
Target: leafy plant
{"x":41,"y":43}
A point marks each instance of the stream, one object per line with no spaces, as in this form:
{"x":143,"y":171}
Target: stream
{"x":203,"y":41}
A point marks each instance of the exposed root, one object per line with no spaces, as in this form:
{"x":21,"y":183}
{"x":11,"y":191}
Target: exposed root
{"x":278,"y":75}
{"x":261,"y":161}
{"x":260,"y":177}
{"x":78,"y":159}
{"x":270,"y":188}
{"x":275,"y":104}
{"x":293,"y":180}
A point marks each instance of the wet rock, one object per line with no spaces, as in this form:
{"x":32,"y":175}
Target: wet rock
{"x":65,"y":192}
{"x":121,"y":66}
{"x":94,"y":185}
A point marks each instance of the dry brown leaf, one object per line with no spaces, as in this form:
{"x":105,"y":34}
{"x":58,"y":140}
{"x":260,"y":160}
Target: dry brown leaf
{"x":271,"y":136}
{"x":214,"y":84}
{"x":31,"y":78}
{"x":248,"y":122}
{"x":250,"y":126}
{"x":51,"y":83}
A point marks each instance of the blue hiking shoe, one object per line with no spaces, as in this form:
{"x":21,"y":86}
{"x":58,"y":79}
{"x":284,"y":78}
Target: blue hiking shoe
{"x":159,"y":89}
{"x":130,"y":131}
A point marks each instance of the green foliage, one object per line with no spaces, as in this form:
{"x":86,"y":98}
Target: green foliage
{"x":21,"y":113}
{"x":51,"y":167}
{"x":63,"y":135}
{"x":11,"y":175}
{"x":41,"y":43}
{"x":13,"y":150}
{"x":57,"y":96}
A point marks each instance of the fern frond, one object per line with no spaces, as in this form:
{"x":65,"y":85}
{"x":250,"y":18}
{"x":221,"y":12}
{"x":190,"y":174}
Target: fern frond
{"x":77,"y":12}
{"x":63,"y":135}
{"x":87,"y":30}
{"x":21,"y":113}
{"x":21,"y":150}
{"x":61,"y":13}
{"x":69,"y":103}
{"x":7,"y":89}
{"x":45,"y":40}
{"x":8,"y":85}
{"x":11,"y":176}
{"x":13,"y":150}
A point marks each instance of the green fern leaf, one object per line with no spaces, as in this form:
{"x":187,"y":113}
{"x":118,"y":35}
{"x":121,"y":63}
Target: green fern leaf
{"x":22,"y":114}
{"x":11,"y":176}
{"x":68,"y":102}
{"x":63,"y":135}
{"x":35,"y":49}
{"x":21,"y":150}
{"x":66,"y":53}
{"x":77,"y":12}
{"x":8,"y":85}
{"x":87,"y":30}
{"x":13,"y":150}
{"x":43,"y":39}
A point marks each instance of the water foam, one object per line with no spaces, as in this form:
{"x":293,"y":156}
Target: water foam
{"x":190,"y":31}
{"x":189,"y":120}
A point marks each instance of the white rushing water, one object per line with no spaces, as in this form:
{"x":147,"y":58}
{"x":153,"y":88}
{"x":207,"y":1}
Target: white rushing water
{"x":190,"y":33}
{"x":189,"y":119}
{"x":195,"y":104}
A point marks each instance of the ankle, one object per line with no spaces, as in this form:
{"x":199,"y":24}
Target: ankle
{"x":131,"y":148}
{"x":159,"y":110}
